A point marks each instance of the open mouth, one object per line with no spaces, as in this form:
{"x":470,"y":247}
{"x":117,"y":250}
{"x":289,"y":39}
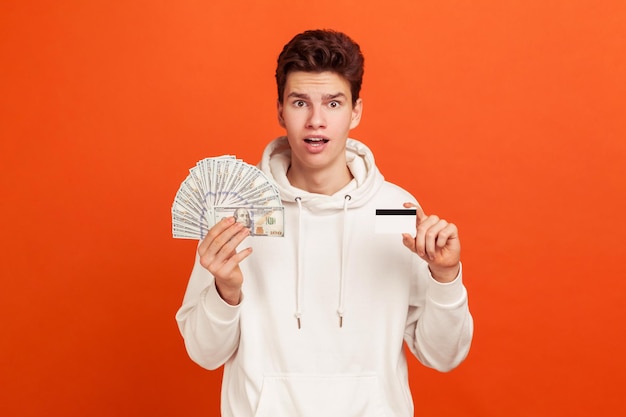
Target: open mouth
{"x":316,"y":141}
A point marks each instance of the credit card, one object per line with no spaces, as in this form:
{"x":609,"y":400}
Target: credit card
{"x":395,"y":221}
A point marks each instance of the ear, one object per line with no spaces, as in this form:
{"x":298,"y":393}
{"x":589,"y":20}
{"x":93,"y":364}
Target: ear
{"x":357,"y":111}
{"x":279,"y":110}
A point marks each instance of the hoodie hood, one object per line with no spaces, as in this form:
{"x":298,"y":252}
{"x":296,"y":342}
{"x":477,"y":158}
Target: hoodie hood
{"x":360,"y":160}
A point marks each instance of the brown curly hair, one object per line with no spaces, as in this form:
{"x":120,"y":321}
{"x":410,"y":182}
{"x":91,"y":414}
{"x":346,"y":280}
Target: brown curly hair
{"x":319,"y":51}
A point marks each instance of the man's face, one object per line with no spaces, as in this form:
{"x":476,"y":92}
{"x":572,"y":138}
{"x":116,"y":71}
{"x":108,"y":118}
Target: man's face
{"x":317,"y":113}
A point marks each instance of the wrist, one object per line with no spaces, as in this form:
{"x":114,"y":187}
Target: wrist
{"x":445,"y":274}
{"x":230,"y":296}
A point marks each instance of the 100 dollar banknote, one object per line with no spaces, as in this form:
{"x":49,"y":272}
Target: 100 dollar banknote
{"x":262,"y":221}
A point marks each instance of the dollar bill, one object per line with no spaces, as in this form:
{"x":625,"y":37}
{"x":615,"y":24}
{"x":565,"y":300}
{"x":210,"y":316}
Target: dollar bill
{"x":262,"y":221}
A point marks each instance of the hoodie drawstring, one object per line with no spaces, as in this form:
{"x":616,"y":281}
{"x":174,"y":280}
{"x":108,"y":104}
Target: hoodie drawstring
{"x":299,"y":261}
{"x":342,"y":281}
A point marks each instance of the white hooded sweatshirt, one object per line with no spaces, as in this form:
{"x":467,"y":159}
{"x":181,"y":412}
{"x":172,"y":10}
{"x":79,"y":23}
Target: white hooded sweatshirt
{"x":319,"y":331}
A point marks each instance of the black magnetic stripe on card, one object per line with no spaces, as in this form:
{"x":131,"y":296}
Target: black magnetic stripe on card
{"x":396,"y":212}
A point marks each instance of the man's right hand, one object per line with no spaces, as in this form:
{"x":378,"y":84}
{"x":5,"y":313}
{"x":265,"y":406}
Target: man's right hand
{"x":218,"y":255}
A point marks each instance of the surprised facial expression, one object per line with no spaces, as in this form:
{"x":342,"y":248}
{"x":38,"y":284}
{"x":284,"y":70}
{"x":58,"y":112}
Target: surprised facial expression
{"x":318,"y":114}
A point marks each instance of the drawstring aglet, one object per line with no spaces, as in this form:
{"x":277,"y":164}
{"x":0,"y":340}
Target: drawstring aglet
{"x":340,"y":321}
{"x":298,"y":319}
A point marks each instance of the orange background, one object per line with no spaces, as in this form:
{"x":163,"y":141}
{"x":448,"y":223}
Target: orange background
{"x":507,"y":117}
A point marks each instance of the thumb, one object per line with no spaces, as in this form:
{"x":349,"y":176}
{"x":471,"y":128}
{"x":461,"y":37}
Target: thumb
{"x":409,"y":242}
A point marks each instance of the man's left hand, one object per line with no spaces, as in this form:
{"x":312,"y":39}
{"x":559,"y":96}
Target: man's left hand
{"x":437,"y":242}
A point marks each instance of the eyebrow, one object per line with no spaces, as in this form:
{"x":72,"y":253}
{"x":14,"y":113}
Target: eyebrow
{"x":324,"y":97}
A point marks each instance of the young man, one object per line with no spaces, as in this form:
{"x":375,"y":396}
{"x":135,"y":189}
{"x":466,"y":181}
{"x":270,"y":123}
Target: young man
{"x":313,"y":324}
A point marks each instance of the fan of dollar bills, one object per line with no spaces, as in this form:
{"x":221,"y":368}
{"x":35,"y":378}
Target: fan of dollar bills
{"x":226,"y":186}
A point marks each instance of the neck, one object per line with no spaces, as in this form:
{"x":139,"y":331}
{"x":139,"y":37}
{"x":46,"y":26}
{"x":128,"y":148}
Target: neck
{"x":319,"y":182}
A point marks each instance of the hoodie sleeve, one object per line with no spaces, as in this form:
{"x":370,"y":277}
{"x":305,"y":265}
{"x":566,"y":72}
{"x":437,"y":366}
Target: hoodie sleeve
{"x":209,"y":325}
{"x":439,"y":326}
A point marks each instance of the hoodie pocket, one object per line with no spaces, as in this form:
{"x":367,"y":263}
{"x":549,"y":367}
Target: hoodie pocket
{"x":320,"y":396}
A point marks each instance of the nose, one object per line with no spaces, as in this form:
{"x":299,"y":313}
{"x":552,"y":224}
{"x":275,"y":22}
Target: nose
{"x":317,"y":118}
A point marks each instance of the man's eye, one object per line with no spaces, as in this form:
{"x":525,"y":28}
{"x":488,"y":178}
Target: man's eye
{"x":299,"y":103}
{"x":334,"y":104}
